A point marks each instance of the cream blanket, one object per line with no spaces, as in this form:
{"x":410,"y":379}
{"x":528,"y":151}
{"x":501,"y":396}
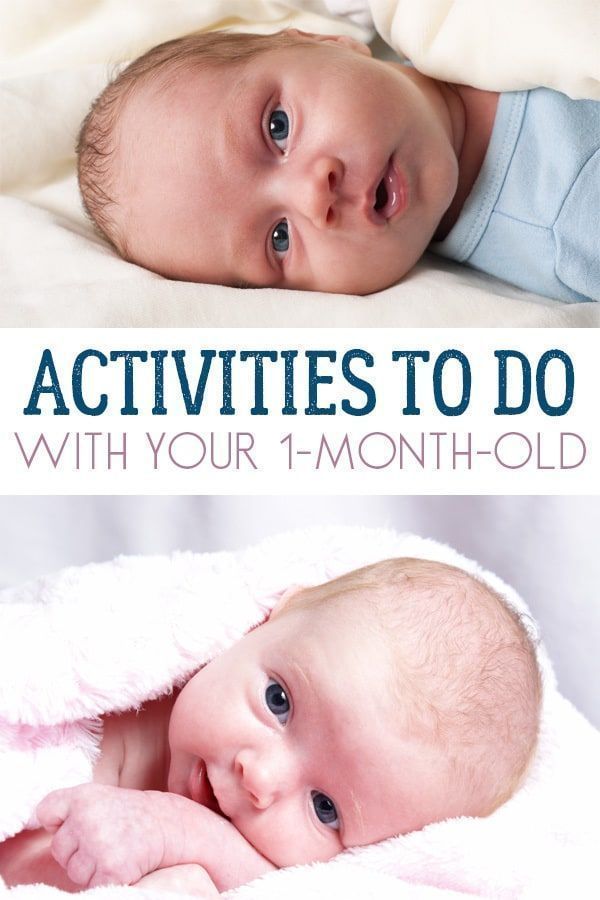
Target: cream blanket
{"x":504,"y":46}
{"x":107,"y":637}
{"x":56,"y":56}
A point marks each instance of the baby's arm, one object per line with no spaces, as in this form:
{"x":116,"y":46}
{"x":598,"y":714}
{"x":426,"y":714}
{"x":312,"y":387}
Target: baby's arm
{"x":111,"y":835}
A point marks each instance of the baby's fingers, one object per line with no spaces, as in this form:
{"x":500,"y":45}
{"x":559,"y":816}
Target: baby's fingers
{"x":81,"y":869}
{"x":79,"y":865}
{"x":53,"y":810}
{"x":63,"y":847}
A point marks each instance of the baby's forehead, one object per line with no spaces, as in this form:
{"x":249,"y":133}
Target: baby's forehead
{"x":326,"y":646}
{"x":160,"y":135}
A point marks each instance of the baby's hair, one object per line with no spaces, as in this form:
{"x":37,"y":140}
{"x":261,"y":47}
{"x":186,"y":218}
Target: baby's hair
{"x":462,"y":656}
{"x":96,"y":143}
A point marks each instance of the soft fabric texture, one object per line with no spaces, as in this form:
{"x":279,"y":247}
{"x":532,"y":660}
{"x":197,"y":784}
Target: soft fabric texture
{"x":494,"y":46}
{"x":532,"y":214}
{"x":54,"y":270}
{"x":108,"y":637}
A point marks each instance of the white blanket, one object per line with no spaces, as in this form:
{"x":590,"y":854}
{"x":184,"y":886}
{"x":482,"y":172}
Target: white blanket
{"x":506,"y":46}
{"x":54,"y":271}
{"x":107,"y":637}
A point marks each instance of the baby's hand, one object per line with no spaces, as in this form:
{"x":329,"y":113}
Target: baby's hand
{"x":103,"y":834}
{"x":187,"y":879}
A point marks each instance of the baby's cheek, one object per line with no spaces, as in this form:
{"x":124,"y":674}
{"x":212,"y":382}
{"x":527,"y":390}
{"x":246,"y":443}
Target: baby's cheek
{"x":288,"y":840}
{"x":373,"y":267}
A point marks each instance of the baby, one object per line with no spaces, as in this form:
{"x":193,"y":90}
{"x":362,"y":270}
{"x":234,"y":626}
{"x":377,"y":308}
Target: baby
{"x":296,"y":160}
{"x":397,"y":695}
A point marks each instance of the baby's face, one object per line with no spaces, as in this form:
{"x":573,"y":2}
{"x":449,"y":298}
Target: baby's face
{"x":309,"y":167}
{"x":296,"y":734}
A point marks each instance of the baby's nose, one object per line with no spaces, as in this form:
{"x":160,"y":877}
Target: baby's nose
{"x":317,"y":191}
{"x":262,"y":775}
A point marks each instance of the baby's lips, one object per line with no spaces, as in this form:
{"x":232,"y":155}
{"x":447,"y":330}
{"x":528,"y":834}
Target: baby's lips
{"x":388,"y":197}
{"x":202,"y":789}
{"x":396,"y":193}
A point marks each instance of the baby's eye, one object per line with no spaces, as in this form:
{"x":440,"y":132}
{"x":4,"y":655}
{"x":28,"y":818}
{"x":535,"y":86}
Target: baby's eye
{"x":325,"y":809}
{"x":277,"y":701}
{"x":280,"y":237}
{"x":279,"y":128}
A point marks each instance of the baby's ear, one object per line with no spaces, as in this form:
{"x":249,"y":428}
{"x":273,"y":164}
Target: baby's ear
{"x":285,"y":597}
{"x":343,"y":40}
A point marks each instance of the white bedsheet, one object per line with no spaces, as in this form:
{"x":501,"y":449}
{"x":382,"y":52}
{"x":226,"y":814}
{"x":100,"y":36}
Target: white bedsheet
{"x":55,"y":271}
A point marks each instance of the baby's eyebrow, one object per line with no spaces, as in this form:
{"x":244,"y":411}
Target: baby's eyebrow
{"x":234,"y":144}
{"x":354,"y":802}
{"x":233,"y":134}
{"x":294,"y":664}
{"x":248,"y":247}
{"x":353,"y":824}
{"x":357,"y":809}
{"x":243,"y":285}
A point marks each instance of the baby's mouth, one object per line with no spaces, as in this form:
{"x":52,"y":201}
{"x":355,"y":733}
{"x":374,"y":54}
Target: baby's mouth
{"x":381,"y":196}
{"x":390,"y":193}
{"x":201,"y":790}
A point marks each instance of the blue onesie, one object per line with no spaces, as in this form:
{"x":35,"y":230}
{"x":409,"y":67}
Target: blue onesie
{"x":533,"y":215}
